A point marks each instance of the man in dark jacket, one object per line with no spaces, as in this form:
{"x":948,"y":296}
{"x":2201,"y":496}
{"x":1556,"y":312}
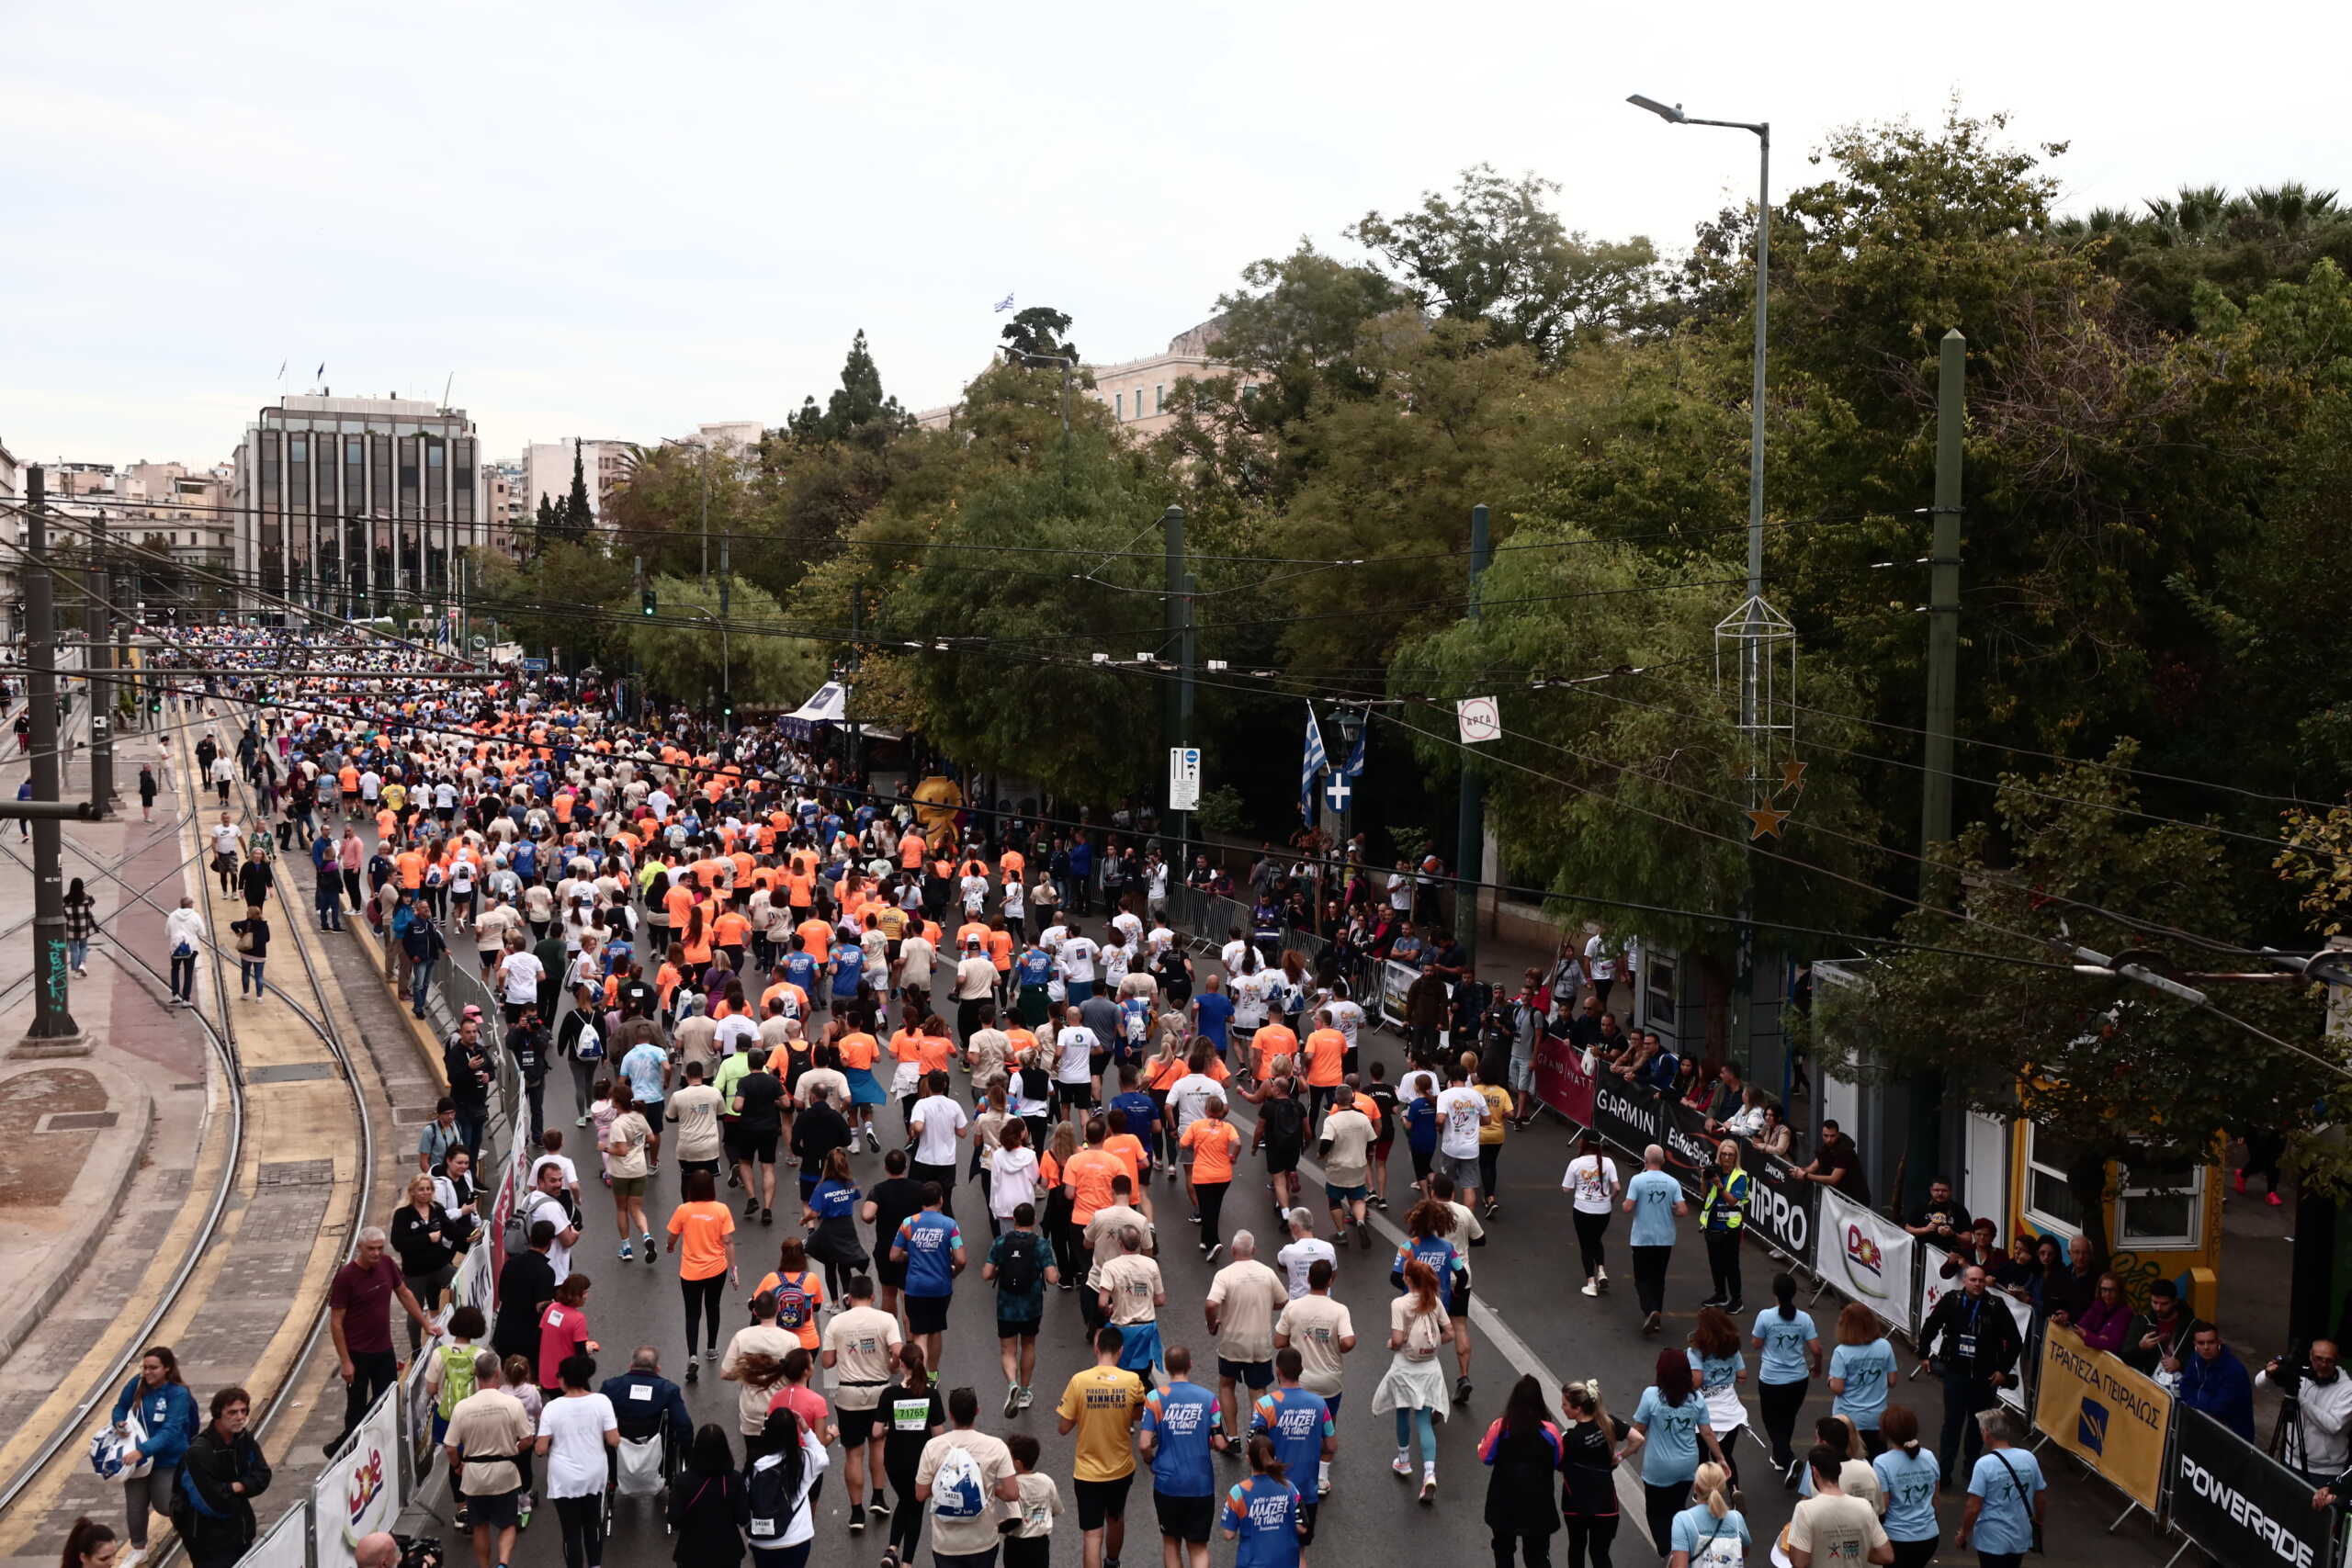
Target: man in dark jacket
{"x":526,"y":1285}
{"x":467,"y":1063}
{"x":221,"y":1475}
{"x":2214,"y":1380}
{"x":1973,"y":1343}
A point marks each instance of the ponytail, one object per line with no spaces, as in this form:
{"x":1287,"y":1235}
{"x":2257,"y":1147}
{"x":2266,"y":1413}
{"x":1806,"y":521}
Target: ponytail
{"x":1707,"y":1486}
{"x":1785,"y":1291}
{"x":86,"y":1535}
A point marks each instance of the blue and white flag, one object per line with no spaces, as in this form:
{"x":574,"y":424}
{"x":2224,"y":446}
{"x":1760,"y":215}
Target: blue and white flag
{"x":1353,"y":766}
{"x":1313,"y":764}
{"x":323,"y":369}
{"x":1005,"y":303}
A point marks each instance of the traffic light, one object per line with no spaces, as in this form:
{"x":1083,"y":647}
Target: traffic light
{"x":644,"y":601}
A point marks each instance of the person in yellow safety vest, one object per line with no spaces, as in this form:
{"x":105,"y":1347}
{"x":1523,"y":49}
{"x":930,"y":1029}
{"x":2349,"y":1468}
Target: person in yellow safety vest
{"x":1723,"y":1210}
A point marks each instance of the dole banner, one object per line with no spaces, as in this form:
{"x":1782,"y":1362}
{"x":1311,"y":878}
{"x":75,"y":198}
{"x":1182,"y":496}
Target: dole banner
{"x":1561,"y":1081}
{"x":1865,"y":1258}
{"x":2106,"y":1415}
{"x":1396,"y":979}
{"x":2241,"y":1505}
{"x":359,"y":1492}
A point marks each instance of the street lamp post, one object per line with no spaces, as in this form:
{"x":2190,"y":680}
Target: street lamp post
{"x":1763,"y":129}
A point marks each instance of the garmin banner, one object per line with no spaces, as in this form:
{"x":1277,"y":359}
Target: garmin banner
{"x":1781,"y":1207}
{"x":1625,"y":1115}
{"x":2241,"y":1505}
{"x":1561,"y":1081}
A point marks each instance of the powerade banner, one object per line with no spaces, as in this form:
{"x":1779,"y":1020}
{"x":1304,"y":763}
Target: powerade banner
{"x":2106,"y":1415}
{"x":1561,"y":1081}
{"x":2242,"y":1506}
{"x":1865,"y":1258}
{"x":1780,"y":1204}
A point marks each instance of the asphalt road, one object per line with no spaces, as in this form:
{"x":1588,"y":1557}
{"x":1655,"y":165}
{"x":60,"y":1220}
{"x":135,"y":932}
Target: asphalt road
{"x":1531,"y":1318}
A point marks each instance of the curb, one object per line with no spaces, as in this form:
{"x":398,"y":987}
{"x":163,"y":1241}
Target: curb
{"x":108,"y":1178}
{"x":428,"y":1047}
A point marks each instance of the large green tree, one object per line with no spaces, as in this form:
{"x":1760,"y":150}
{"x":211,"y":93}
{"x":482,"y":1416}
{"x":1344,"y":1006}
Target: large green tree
{"x":694,"y":651}
{"x":858,"y":409}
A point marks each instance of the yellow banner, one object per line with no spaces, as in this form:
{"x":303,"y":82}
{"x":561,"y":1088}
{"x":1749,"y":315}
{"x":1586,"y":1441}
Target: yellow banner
{"x":2103,"y":1413}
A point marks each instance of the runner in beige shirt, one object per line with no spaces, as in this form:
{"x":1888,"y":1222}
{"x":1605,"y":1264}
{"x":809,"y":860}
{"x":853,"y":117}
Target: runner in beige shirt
{"x":859,"y":1345}
{"x":1244,"y":1299}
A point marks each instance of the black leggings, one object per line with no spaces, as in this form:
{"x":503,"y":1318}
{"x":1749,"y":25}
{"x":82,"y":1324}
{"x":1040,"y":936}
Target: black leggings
{"x":906,"y":1518}
{"x":1590,"y":1535}
{"x":1212,"y":1198}
{"x":1660,"y":1504}
{"x":1590,"y":1231}
{"x":1535,"y":1549}
{"x":1781,"y":1402}
{"x":1916,"y":1554}
{"x":702,"y":1301}
{"x":583,"y":1530}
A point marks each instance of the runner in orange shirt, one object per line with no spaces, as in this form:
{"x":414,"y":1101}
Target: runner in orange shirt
{"x":1271,"y":1040}
{"x":816,"y":938}
{"x":1327,"y":1051}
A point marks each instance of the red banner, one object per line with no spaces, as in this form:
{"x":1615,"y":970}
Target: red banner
{"x":1561,"y":1081}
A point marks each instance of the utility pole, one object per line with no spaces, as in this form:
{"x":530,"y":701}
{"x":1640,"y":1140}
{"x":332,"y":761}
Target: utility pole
{"x":1943,"y":597}
{"x":849,"y":681}
{"x":1470,"y":828}
{"x":1178,"y":709}
{"x":726,"y":648}
{"x":97,"y":593}
{"x":705,"y":467}
{"x":53,"y":1029}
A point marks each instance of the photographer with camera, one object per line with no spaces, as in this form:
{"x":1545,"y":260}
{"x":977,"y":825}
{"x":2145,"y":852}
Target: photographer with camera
{"x":2315,"y":1423}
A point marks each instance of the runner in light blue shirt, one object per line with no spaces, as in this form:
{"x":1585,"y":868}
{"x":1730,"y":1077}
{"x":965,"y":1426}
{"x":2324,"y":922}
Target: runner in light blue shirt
{"x":1862,"y":1370}
{"x":2004,"y":1495}
{"x":1909,"y":1476}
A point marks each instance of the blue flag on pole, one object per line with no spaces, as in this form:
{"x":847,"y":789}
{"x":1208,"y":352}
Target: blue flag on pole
{"x":1005,"y":303}
{"x":1353,"y":766}
{"x":1310,"y":766}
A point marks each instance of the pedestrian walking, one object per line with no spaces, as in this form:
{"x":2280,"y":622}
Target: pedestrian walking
{"x":576,"y":1431}
{"x":1520,"y":1450}
{"x":425,"y":1240}
{"x":915,"y":1415}
{"x":708,"y":1505}
{"x":359,"y":1306}
{"x":1021,"y":1265}
{"x":1179,"y":1429}
{"x":1592,"y":1185}
{"x":221,"y":1475}
{"x":859,"y":1347}
{"x":89,"y":1544}
{"x":929,"y":1247}
{"x":490,"y":1433}
{"x":159,"y":1399}
{"x":1031,"y":1544}
{"x":183,"y":935}
{"x":147,"y":791}
{"x":1716,"y":1363}
{"x":701,"y":1230}
{"x":2007,"y":1496}
{"x":1656,"y":1201}
{"x":1102,"y":1405}
{"x":81,"y":925}
{"x":1710,"y":1533}
{"x":1414,"y":1387}
{"x":1909,"y":1477}
{"x":1861,"y":1373}
{"x":780,"y":1524}
{"x":1588,"y":1457}
{"x":252,"y":935}
{"x":1790,"y":1359}
{"x":1671,"y":1422}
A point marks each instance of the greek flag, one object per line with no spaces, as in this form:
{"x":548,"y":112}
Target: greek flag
{"x":323,"y":369}
{"x":1310,"y":766}
{"x":1353,"y":766}
{"x":1005,"y":303}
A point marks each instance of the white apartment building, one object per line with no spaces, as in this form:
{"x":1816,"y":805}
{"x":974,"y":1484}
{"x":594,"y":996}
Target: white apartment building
{"x":1135,"y":390}
{"x":546,"y":471}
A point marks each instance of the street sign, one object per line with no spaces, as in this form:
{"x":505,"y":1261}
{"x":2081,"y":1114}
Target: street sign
{"x":535,"y":667}
{"x":1480,"y":719}
{"x":1183,"y":778}
{"x":480,"y":642}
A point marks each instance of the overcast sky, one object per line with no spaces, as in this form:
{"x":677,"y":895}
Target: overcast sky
{"x":622,"y":221}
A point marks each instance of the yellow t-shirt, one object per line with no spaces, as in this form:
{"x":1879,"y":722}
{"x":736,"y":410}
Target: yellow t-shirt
{"x":1498,"y":1112}
{"x":1102,"y":1400}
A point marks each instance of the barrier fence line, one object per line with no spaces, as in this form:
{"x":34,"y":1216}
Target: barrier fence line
{"x":2244,"y":1507}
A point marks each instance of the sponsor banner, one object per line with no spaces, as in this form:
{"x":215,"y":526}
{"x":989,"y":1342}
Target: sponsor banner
{"x":359,"y":1492}
{"x":283,"y":1544}
{"x":1865,"y":1258}
{"x":2106,"y":1415}
{"x":1781,"y":1206}
{"x":1396,"y":979}
{"x":1934,"y":1285}
{"x":2241,"y":1505}
{"x":1689,"y":1152}
{"x":477,"y":1281}
{"x":420,"y":1407}
{"x":1561,"y":1081}
{"x":1626,"y":1115}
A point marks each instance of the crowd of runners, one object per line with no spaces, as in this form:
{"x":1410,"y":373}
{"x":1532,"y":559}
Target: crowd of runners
{"x":975,"y":1074}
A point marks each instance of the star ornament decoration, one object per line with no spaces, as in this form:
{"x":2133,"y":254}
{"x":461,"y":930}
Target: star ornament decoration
{"x":1766,"y":822}
{"x":1793,"y":775}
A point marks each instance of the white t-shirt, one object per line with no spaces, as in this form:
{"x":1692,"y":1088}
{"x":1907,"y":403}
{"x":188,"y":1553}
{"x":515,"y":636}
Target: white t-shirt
{"x":1593,"y":1178}
{"x":521,"y":973}
{"x":1347,"y":1018}
{"x":1299,"y":1257}
{"x":575,"y":1465}
{"x":1075,"y":1047}
{"x":1459,"y":1112}
{"x":1189,"y":1097}
{"x":1597,"y":960}
{"x":1078,"y":960}
{"x":941,"y":1119}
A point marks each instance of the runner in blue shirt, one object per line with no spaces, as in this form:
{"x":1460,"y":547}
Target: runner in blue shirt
{"x":799,"y":967}
{"x":849,"y":973}
{"x":1300,"y":1425}
{"x":932,"y":1250}
{"x":1909,"y":1476}
{"x":1211,"y":1011}
{"x":1265,"y":1514}
{"x":1181,"y":1425}
{"x":1862,"y":1370}
{"x":1655,"y":1199}
{"x":1791,"y":1347}
{"x":2006,"y":1493}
